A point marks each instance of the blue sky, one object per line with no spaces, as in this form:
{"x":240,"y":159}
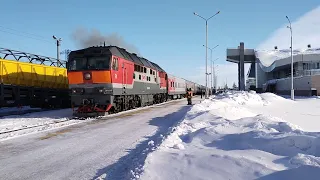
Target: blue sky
{"x":165,"y":32}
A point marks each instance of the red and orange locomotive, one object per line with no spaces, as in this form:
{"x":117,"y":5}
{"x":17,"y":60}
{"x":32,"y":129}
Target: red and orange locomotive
{"x":108,"y":79}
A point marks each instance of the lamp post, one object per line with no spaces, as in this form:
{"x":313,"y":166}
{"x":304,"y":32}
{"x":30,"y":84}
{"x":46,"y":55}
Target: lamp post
{"x":211,"y":59}
{"x":206,"y":94}
{"x":58,"y":40}
{"x":292,"y":90}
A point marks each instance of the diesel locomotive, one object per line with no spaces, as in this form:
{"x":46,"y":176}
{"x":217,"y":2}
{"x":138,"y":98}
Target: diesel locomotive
{"x":109,"y":79}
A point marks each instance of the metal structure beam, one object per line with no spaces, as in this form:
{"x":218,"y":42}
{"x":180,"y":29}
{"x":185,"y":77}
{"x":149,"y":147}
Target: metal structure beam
{"x":30,"y":58}
{"x":241,"y":56}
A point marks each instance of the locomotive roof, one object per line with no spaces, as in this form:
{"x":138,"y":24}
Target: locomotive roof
{"x":120,"y":52}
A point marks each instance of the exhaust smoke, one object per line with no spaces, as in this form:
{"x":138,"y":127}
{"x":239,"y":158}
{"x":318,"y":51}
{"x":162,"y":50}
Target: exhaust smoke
{"x":84,"y":38}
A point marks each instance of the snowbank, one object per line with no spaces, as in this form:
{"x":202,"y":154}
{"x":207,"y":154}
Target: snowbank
{"x":225,"y":138}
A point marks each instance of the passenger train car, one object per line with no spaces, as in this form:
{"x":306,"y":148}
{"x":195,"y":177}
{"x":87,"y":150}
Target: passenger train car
{"x":108,"y":79}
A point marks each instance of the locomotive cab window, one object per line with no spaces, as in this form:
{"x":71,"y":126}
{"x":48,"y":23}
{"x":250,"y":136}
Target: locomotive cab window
{"x":89,"y":63}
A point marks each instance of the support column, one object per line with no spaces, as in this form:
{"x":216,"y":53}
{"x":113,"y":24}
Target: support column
{"x":242,"y":81}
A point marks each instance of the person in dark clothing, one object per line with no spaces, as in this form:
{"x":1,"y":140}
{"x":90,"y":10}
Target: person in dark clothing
{"x":189,"y":96}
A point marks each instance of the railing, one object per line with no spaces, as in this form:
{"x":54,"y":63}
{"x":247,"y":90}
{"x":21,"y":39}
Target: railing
{"x":311,"y":72}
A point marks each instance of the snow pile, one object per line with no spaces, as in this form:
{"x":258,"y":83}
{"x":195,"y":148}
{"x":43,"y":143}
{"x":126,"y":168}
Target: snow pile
{"x":222,"y":138}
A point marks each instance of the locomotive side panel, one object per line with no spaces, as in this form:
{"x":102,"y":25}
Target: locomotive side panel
{"x":131,"y":80}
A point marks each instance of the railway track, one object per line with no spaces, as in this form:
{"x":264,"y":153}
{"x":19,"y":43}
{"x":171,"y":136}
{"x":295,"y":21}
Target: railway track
{"x":22,"y":112}
{"x":31,"y":127}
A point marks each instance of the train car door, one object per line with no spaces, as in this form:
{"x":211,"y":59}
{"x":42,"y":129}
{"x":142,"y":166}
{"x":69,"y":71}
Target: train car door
{"x":127,"y":76}
{"x":124,"y":78}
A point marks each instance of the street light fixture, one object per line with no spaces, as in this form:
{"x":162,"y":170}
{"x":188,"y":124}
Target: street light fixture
{"x":58,"y":40}
{"x":211,"y":60}
{"x":292,"y":90}
{"x":206,"y":95}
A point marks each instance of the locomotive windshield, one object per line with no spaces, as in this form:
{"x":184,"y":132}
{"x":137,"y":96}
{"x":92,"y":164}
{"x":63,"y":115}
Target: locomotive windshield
{"x":89,"y":63}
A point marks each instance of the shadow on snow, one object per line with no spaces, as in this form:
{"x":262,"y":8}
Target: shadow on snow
{"x":133,"y":162}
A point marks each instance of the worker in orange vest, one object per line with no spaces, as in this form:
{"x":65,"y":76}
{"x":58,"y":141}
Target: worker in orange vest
{"x":189,"y":96}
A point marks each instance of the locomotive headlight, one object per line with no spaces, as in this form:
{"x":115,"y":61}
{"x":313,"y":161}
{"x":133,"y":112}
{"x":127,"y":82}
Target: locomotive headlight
{"x":74,"y":91}
{"x":87,"y":76}
{"x":101,"y":90}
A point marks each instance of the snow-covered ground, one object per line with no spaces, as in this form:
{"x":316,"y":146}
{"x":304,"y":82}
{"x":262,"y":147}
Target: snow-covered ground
{"x":106,"y":148}
{"x":18,"y":125}
{"x":34,"y":122}
{"x":241,"y":135}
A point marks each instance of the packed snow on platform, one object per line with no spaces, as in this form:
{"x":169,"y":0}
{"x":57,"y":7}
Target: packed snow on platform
{"x":48,"y":118}
{"x":241,"y":135}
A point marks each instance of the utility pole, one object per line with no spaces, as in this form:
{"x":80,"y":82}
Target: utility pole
{"x":58,"y":40}
{"x":206,"y":93}
{"x":211,"y":62}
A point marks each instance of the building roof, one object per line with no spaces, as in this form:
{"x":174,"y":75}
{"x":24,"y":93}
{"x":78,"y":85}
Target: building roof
{"x":269,"y":60}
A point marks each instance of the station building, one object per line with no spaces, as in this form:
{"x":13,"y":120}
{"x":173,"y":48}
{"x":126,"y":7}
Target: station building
{"x":271,"y":70}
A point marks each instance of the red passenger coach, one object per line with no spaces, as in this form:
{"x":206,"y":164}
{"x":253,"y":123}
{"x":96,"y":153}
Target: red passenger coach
{"x":176,"y":87}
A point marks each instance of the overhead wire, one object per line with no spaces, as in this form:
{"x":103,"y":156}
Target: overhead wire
{"x":24,"y":34}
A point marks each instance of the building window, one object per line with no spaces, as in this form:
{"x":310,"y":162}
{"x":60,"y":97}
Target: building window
{"x":139,"y":77}
{"x":134,"y":76}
